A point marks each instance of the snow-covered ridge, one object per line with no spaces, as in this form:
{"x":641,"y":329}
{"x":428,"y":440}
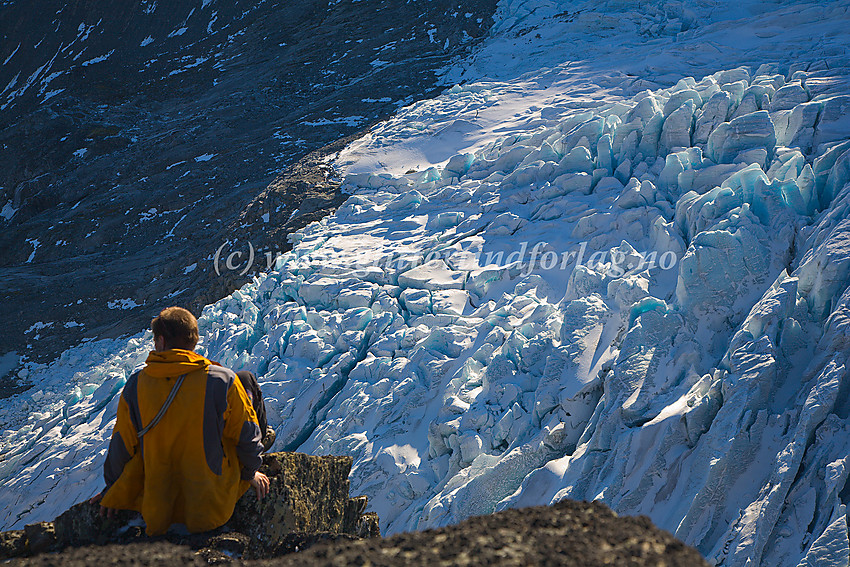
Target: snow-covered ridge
{"x":496,"y":327}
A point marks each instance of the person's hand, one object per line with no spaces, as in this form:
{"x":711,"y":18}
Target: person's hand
{"x":260,"y":482}
{"x":108,"y":512}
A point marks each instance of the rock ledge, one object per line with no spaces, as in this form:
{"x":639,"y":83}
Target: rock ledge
{"x":308,"y":502}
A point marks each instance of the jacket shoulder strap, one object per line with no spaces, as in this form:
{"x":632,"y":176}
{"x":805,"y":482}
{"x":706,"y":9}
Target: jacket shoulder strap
{"x":171,"y":395}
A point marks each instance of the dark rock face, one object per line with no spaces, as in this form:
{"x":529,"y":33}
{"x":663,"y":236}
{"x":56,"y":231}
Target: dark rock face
{"x":307,"y":503}
{"x":135,"y":137}
{"x":13,"y":544}
{"x":148,"y":554}
{"x":82,"y":524}
{"x":308,"y":495}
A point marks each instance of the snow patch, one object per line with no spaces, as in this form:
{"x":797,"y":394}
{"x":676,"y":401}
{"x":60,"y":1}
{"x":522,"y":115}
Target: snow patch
{"x":122,"y":304}
{"x":99,"y":59}
{"x":37,"y":326}
{"x":35,"y":244}
{"x":8,"y":211}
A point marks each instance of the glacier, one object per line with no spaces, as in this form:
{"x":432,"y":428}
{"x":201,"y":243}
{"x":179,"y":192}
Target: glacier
{"x":611,"y":262}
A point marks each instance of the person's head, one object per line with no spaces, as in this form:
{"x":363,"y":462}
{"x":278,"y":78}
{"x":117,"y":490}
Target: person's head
{"x":174,"y":327}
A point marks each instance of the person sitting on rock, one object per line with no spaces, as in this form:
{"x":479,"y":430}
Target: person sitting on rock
{"x":187,"y":442}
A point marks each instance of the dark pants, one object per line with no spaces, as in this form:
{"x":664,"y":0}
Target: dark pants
{"x":249,"y":381}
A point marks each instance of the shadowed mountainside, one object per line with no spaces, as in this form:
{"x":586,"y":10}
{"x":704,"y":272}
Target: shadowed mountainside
{"x":135,"y":140}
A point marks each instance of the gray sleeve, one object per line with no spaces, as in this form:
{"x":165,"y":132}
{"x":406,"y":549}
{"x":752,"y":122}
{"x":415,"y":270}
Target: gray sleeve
{"x":249,"y":444}
{"x":248,"y":449}
{"x":116,"y":457}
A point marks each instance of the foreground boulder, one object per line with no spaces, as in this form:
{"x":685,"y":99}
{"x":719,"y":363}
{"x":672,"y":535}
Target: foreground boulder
{"x":307,"y":502}
{"x":569,"y":533}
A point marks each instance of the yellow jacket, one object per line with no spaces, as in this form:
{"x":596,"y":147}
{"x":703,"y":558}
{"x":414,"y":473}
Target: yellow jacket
{"x":193,"y":466}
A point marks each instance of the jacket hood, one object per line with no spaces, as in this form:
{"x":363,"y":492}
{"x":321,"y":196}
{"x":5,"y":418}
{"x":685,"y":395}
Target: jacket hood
{"x":174,"y":362}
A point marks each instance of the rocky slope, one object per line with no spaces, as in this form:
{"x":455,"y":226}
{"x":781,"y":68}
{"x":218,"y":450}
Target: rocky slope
{"x":575,"y":534}
{"x":136,"y":141}
{"x":309,"y":519}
